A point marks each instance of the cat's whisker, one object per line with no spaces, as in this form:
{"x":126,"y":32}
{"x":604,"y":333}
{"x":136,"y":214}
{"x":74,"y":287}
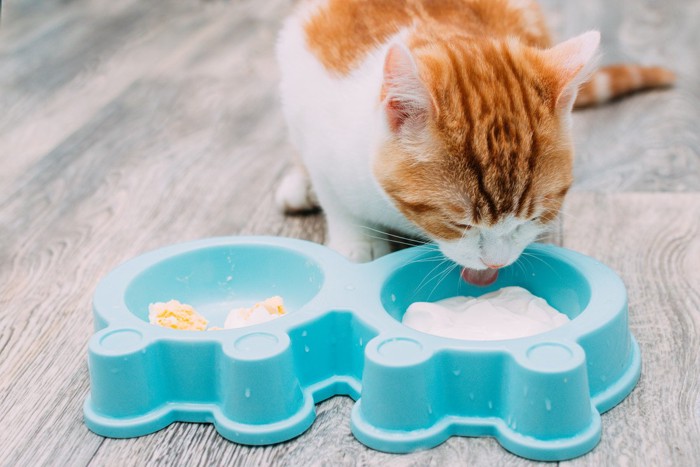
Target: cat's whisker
{"x":568,"y":215}
{"x":439,"y":277}
{"x":426,"y":279}
{"x":416,"y":245}
{"x":563,"y":210}
{"x":529,"y":258}
{"x":523,"y":268}
{"x":543,"y":235}
{"x":444,"y":275}
{"x":395,"y":238}
{"x":396,"y":241}
{"x":526,"y":260}
{"x":534,"y":256}
{"x":394,"y":235}
{"x":519,"y":264}
{"x":464,"y":235}
{"x":400,"y":242}
{"x":426,"y":260}
{"x":459,"y":280}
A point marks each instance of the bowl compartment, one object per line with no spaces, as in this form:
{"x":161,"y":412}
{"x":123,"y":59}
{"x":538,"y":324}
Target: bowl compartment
{"x":218,"y":278}
{"x":432,"y":277}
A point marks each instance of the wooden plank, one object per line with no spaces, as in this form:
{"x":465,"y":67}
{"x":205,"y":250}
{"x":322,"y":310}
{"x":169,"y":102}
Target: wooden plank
{"x":653,"y":241}
{"x":160,"y":123}
{"x":646,"y":142}
{"x":133,"y":176}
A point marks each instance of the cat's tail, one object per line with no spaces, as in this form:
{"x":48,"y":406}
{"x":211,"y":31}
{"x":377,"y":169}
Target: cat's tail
{"x":613,"y":81}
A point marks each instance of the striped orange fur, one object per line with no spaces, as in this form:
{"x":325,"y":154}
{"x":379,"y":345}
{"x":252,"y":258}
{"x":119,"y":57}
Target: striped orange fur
{"x":611,"y":82}
{"x":343,"y":31}
{"x":461,"y":110}
{"x":494,"y":128}
{"x":495,"y":135}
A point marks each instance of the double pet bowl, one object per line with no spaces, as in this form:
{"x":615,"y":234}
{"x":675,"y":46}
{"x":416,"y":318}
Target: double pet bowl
{"x":541,"y":396}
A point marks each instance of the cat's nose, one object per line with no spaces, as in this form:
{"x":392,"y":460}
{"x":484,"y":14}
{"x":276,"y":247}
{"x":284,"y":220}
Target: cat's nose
{"x":491,"y":265}
{"x":495,"y":251}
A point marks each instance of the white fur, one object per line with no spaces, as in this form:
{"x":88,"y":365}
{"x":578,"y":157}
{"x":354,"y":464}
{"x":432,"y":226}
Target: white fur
{"x":295,"y":193}
{"x":497,"y":246}
{"x":336,"y":123}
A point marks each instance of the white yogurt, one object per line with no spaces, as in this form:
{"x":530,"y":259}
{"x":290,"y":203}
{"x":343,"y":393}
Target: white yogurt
{"x":508,"y":313}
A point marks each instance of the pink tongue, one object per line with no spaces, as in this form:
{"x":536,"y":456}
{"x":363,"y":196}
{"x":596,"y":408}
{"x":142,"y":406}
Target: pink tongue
{"x":481,"y":277}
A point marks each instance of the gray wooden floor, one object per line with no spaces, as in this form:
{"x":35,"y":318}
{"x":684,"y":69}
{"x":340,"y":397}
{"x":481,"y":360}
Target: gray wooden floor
{"x":130,"y":125}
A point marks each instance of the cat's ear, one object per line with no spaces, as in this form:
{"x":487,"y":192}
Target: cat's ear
{"x":573,"y":62}
{"x":404,"y":96}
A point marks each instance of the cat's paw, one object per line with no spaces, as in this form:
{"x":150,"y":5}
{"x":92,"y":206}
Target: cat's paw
{"x":360,"y":250}
{"x":295,"y":193}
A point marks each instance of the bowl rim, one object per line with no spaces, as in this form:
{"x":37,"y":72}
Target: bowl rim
{"x":608,"y":295}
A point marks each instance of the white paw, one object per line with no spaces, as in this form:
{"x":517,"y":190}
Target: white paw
{"x":295,"y":194}
{"x":360,"y":250}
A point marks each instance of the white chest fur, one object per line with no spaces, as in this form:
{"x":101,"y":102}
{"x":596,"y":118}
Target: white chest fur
{"x":334,"y":122}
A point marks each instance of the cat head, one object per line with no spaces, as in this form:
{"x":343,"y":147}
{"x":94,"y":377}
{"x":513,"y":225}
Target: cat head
{"x":477,"y":149}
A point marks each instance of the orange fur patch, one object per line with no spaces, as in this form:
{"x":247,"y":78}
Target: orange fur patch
{"x":496,"y":147}
{"x":493,"y":144}
{"x":343,"y":32}
{"x":613,"y":81}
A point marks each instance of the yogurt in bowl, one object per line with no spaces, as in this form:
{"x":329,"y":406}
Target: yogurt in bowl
{"x":508,"y":313}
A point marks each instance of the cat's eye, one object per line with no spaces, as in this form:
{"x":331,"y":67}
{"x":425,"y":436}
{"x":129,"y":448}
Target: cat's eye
{"x":535,"y":219}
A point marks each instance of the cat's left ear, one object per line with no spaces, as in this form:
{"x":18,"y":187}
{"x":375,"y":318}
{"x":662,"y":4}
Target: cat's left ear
{"x":573,"y":62}
{"x":404,"y":96}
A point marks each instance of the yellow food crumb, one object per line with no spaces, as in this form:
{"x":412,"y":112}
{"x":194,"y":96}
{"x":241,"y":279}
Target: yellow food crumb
{"x":176,"y":315}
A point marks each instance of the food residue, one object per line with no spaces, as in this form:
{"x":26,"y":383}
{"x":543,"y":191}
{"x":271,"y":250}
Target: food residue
{"x":261,"y":312}
{"x":181,"y":316}
{"x":176,"y":315}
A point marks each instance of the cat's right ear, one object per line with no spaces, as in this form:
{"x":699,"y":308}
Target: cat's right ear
{"x":404,"y":97}
{"x":573,"y":62}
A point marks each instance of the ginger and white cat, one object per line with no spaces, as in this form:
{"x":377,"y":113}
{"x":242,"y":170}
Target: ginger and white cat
{"x":442,"y":120}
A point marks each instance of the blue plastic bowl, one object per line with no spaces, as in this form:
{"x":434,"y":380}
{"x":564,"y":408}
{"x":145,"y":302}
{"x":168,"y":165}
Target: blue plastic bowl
{"x":539,"y":396}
